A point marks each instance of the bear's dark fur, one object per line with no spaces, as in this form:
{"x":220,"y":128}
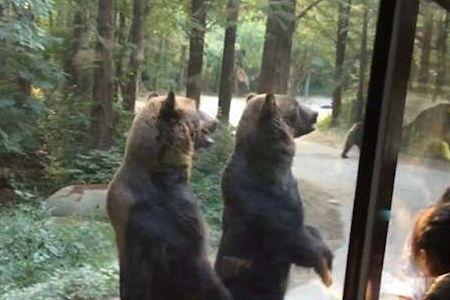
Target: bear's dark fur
{"x":157,"y":221}
{"x":354,"y":137}
{"x":263,"y":228}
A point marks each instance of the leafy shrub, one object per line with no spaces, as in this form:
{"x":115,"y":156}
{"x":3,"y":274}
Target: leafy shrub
{"x":84,"y":283}
{"x":49,"y":257}
{"x":207,"y":173}
{"x":24,"y":69}
{"x":71,"y":161}
{"x":91,"y":167}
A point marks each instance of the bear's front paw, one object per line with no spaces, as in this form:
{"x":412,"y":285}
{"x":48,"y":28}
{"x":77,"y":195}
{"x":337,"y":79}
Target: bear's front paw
{"x":324,"y":266}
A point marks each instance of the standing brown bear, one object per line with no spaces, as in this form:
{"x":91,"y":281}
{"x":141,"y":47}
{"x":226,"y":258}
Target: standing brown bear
{"x":157,"y":221}
{"x":263,"y":227}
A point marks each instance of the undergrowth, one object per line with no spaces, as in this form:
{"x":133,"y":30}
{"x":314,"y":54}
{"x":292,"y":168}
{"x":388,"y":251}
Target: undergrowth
{"x":50,"y":258}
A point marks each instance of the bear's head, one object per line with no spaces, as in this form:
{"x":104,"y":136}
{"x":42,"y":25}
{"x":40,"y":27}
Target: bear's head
{"x":166,"y":133}
{"x":270,"y":123}
{"x":299,"y":117}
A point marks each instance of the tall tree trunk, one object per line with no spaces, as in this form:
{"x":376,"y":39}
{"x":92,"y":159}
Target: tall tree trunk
{"x":102,"y":94}
{"x":341,"y":44}
{"x":121,"y":36}
{"x":442,"y":55}
{"x":280,"y":28}
{"x":226,"y":75}
{"x":301,"y":73}
{"x":159,"y":63}
{"x":2,"y":9}
{"x":137,"y":31}
{"x":358,"y":107}
{"x":181,"y":78}
{"x":196,"y":48}
{"x":427,"y":33}
{"x":76,"y":63}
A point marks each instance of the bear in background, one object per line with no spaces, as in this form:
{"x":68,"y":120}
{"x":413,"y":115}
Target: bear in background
{"x":354,"y":137}
{"x":159,"y":228}
{"x":263,"y":223}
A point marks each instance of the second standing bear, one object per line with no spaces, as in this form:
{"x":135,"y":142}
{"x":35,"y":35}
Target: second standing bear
{"x":263,"y":223}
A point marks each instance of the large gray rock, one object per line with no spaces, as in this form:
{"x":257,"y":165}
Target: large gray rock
{"x":79,"y":200}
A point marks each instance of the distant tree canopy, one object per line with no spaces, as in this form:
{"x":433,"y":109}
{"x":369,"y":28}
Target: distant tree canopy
{"x":71,"y":71}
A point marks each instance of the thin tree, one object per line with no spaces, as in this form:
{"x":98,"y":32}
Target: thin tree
{"x":280,"y":28}
{"x":226,"y":75}
{"x":121,"y":38}
{"x":102,"y":92}
{"x":358,"y":107}
{"x":426,"y":38}
{"x":74,"y":64}
{"x":196,"y":48}
{"x":344,"y":7}
{"x":141,"y":10}
{"x":442,"y":52}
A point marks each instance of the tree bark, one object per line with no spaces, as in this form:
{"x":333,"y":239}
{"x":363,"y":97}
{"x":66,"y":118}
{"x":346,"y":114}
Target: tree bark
{"x":102,"y":94}
{"x":137,"y":32}
{"x":2,"y":9}
{"x":121,"y":37}
{"x":75,"y":63}
{"x":358,"y":107}
{"x":280,"y":28}
{"x":301,"y":73}
{"x":341,"y":44}
{"x":427,"y":33}
{"x":196,"y":48}
{"x":181,"y":78}
{"x":226,"y":76}
{"x":442,"y":55}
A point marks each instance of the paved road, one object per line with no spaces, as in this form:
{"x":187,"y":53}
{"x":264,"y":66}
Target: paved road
{"x":415,"y":187}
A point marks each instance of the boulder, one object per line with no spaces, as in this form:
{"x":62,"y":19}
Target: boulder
{"x":428,"y":134}
{"x":79,"y":200}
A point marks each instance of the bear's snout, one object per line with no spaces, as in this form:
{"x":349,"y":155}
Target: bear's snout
{"x":207,"y":122}
{"x":205,"y":141}
{"x":208,"y":125}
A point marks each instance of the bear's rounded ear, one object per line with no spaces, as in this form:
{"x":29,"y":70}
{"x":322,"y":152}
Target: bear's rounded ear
{"x":250,"y":96}
{"x":269,"y":107}
{"x":168,"y":110}
{"x":152,"y":95}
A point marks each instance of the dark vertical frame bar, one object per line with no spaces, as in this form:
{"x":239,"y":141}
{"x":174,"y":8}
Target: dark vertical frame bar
{"x":382,"y":133}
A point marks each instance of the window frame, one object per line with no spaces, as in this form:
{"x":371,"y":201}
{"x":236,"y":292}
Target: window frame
{"x":391,"y":64}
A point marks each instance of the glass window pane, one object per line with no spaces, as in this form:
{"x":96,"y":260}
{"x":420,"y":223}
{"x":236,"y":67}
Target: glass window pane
{"x":85,"y":102}
{"x":423,"y":172}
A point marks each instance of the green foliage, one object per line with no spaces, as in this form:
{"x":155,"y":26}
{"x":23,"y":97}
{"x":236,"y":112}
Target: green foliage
{"x":48,"y":258}
{"x":250,"y":40}
{"x":91,"y":167}
{"x":84,"y":283}
{"x":66,"y":125}
{"x":24,"y":70}
{"x":18,"y":130}
{"x":71,"y":160}
{"x":438,"y":149}
{"x":207,"y":173}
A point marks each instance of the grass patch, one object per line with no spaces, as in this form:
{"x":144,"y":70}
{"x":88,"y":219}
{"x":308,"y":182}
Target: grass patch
{"x":51,"y":258}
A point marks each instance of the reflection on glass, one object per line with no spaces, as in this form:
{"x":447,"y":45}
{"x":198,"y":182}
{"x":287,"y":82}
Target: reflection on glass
{"x":423,"y":173}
